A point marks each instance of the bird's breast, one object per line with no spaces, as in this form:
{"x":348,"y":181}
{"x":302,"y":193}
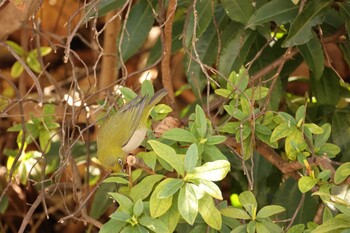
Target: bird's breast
{"x":135,"y":140}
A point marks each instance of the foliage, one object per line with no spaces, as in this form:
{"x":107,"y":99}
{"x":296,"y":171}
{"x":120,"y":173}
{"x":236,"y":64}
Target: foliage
{"x":282,"y":158}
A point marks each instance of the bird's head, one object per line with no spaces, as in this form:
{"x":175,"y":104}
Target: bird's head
{"x":112,"y":158}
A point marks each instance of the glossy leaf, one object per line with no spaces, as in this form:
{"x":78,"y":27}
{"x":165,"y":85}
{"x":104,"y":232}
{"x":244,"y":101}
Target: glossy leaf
{"x":342,"y":173}
{"x":235,"y":213}
{"x":340,"y":222}
{"x":112,"y":226}
{"x":268,"y":211}
{"x":327,"y":89}
{"x":158,"y":206}
{"x":171,"y":217}
{"x":306,"y":183}
{"x":231,"y":51}
{"x":248,"y":201}
{"x":216,"y":139}
{"x":180,"y":135}
{"x":209,"y":212}
{"x":213,"y":171}
{"x":138,"y":208}
{"x":278,"y":11}
{"x":203,"y":17}
{"x":140,"y":22}
{"x":300,"y":30}
{"x":169,"y":187}
{"x":145,"y":187}
{"x":212,"y":153}
{"x":322,"y":138}
{"x":201,"y":121}
{"x":16,"y":69}
{"x":191,"y":158}
{"x":210,"y":188}
{"x":169,"y":155}
{"x":312,"y":52}
{"x":238,"y":10}
{"x":188,"y":204}
{"x":155,"y":225}
{"x":281,"y":131}
{"x":125,"y":204}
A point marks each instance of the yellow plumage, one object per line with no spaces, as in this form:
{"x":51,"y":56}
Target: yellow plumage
{"x":125,"y":130}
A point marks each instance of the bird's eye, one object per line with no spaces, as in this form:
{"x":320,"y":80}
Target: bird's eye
{"x":120,"y":162}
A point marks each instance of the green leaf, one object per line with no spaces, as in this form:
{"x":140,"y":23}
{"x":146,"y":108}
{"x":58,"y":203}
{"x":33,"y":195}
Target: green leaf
{"x":212,"y":153}
{"x":341,"y":132}
{"x":125,"y":204}
{"x":312,"y":52}
{"x":33,"y":63}
{"x":204,"y":13}
{"x":300,"y":114}
{"x":100,"y":201}
{"x":112,"y":226}
{"x":140,"y":22}
{"x":224,"y":93}
{"x":169,"y":155}
{"x":341,"y":221}
{"x":191,"y":157}
{"x":169,"y":187}
{"x":16,"y":69}
{"x":230,"y":127}
{"x":216,"y":139}
{"x":281,"y":131}
{"x":210,"y":188}
{"x":213,"y":171}
{"x":295,"y":143}
{"x":103,"y":7}
{"x":138,"y":208}
{"x":299,"y":228}
{"x":238,"y":10}
{"x":15,"y":47}
{"x":322,"y":138}
{"x":329,"y":149}
{"x":256,"y":93}
{"x":188,"y":204}
{"x":327,"y":89}
{"x":4,"y":203}
{"x":279,"y":11}
{"x":201,"y":121}
{"x":238,"y":81}
{"x":306,"y":183}
{"x":144,"y":188}
{"x":171,"y":217}
{"x":315,"y":129}
{"x":342,"y":173}
{"x":235,"y":213}
{"x":231,"y":52}
{"x":300,"y":30}
{"x":44,"y":140}
{"x":155,"y":225}
{"x":149,"y":157}
{"x":160,"y":111}
{"x":181,"y":135}
{"x":209,"y":212}
{"x":158,"y":206}
{"x":248,"y":201}
{"x":127,"y":93}
{"x":116,"y":179}
{"x":268,"y":211}
{"x":345,"y":11}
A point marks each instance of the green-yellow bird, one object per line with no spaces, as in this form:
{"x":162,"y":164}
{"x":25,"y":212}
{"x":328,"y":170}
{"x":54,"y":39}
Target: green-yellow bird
{"x":125,"y":130}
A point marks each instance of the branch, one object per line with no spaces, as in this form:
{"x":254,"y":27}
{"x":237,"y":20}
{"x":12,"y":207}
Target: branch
{"x":166,"y":42}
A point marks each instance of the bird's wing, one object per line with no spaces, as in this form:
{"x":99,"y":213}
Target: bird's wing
{"x":132,"y":110}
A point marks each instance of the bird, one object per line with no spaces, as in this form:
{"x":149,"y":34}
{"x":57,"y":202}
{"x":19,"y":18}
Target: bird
{"x":124,"y":131}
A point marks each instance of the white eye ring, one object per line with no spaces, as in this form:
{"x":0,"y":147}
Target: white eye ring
{"x":120,"y":162}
